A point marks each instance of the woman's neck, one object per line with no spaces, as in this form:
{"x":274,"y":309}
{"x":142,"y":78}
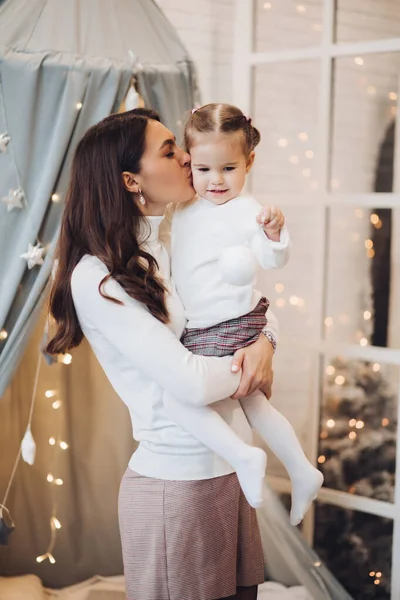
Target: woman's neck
{"x":153,"y":211}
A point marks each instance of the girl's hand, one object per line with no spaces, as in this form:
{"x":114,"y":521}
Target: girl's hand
{"x":256,"y":364}
{"x":271,"y":220}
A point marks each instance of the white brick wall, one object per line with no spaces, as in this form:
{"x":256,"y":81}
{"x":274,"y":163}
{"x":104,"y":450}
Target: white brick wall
{"x":206,"y":28}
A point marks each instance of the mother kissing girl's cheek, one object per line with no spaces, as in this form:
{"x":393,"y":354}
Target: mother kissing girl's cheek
{"x":182,"y":513}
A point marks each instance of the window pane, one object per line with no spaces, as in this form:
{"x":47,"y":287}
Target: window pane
{"x":357,"y":548}
{"x":358,"y":21}
{"x":285,"y":109}
{"x":291,"y":293}
{"x":363,"y":284}
{"x":357,"y":451}
{"x":365,"y":103}
{"x":282,"y":24}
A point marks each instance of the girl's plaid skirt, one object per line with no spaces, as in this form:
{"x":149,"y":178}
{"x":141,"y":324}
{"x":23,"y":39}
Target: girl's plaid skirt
{"x":225,"y":338}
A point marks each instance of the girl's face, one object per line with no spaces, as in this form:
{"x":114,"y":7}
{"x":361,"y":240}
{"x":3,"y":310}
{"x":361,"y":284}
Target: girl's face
{"x":219,"y":165}
{"x":165,"y":175}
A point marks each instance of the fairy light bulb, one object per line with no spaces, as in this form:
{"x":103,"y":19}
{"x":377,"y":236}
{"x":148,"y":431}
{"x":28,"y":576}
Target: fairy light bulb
{"x":66,"y":359}
{"x":352,"y":435}
{"x":369,"y":244}
{"x":330,"y":370}
{"x":363,"y":341}
{"x":279,"y":287}
{"x":330,"y":423}
{"x":374,"y":219}
{"x":321,"y":459}
{"x":280,"y":302}
{"x":3,"y":335}
{"x":339,"y":380}
{"x":64,"y":445}
{"x":367,"y":315}
{"x":59,"y":481}
{"x":359,"y":61}
{"x":352,"y":422}
{"x":55,"y":523}
{"x":56,"y":405}
{"x":55,"y":198}
{"x":50,"y":393}
{"x":50,"y":478}
{"x":309,"y":154}
{"x":282,"y":143}
{"x":360,"y":424}
{"x":52,"y":441}
{"x":294,"y":159}
{"x":376,"y":367}
{"x":303,"y":136}
{"x":328,"y":321}
{"x":78,"y":105}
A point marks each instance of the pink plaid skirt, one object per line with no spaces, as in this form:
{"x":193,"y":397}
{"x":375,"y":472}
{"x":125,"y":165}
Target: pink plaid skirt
{"x":225,"y":338}
{"x":187,"y":540}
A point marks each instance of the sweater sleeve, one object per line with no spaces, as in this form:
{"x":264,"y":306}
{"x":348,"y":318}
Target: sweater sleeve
{"x":269,"y":254}
{"x":148,"y":344}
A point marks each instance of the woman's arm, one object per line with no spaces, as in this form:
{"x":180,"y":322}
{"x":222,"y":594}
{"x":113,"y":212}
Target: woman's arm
{"x":256,"y":361}
{"x":147,"y":343}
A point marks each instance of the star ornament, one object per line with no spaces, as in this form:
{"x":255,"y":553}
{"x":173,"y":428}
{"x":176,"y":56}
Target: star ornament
{"x":4,"y":141}
{"x":15,"y":199}
{"x":34,"y":256}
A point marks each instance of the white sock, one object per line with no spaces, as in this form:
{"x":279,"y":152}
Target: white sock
{"x":280,"y":436}
{"x":207,"y":426}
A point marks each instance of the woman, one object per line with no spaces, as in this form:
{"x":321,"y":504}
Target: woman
{"x":187,"y":532}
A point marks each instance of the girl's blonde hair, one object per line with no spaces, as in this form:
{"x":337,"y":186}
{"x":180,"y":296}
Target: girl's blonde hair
{"x":221,"y":118}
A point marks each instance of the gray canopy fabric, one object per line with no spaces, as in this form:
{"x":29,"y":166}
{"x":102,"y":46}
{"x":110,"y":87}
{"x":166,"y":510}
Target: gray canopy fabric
{"x":63,"y":67}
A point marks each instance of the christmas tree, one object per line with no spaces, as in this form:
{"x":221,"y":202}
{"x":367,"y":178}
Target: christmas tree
{"x":357,"y":455}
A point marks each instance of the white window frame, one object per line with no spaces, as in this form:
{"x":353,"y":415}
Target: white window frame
{"x":244,"y":59}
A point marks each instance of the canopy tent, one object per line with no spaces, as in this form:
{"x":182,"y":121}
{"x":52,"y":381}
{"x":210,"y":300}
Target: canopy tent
{"x":64,"y":66}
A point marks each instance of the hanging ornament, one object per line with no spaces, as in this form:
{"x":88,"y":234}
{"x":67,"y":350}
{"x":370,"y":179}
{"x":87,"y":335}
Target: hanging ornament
{"x":34,"y":256}
{"x":132,"y":98}
{"x":15,"y":199}
{"x":6,"y":525}
{"x":4,"y":141}
{"x":28,"y":447}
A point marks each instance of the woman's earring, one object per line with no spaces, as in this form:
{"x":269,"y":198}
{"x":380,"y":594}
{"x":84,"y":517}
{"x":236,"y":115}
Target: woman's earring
{"x":141,"y":198}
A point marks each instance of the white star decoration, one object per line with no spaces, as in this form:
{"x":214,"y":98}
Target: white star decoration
{"x":15,"y":199}
{"x":4,"y":140}
{"x":34,"y":256}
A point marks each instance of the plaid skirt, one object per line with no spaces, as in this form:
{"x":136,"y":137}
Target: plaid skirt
{"x":225,"y":338}
{"x":187,"y":540}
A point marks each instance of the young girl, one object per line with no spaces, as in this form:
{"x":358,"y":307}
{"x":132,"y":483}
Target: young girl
{"x":216,"y":242}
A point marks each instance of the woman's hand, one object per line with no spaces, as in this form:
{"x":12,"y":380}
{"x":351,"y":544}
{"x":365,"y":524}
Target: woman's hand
{"x":256,"y":364}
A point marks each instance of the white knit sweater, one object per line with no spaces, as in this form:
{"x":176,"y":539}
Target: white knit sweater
{"x":143,"y":357}
{"x":205,"y":234}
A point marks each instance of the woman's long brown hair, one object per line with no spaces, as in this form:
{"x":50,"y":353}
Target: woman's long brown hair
{"x":102,"y":219}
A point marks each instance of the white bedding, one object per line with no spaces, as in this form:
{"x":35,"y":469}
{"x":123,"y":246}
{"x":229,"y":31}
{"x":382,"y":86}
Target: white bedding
{"x":29,"y":587}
